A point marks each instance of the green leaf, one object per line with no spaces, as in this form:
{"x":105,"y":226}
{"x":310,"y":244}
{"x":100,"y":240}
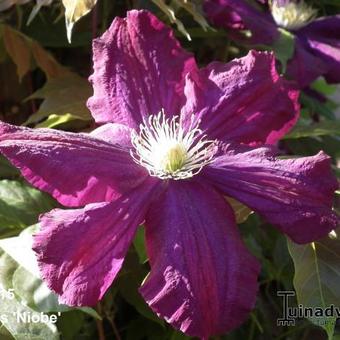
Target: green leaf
{"x":46,"y":62}
{"x":241,"y":211}
{"x":177,"y":335}
{"x":307,"y":146}
{"x":63,"y":95}
{"x":190,"y":6}
{"x":36,"y":9}
{"x":11,"y":308}
{"x":74,"y":10}
{"x":195,"y":9}
{"x":315,"y":106}
{"x":24,"y":277}
{"x":18,"y":49}
{"x":322,"y":86}
{"x":53,"y":34}
{"x":284,"y":47}
{"x":7,"y":169}
{"x":90,"y":311}
{"x":20,"y":204}
{"x":170,"y":13}
{"x":70,"y":324}
{"x":132,"y":275}
{"x":323,"y":128}
{"x":20,"y":250}
{"x":27,"y":53}
{"x":4,"y":333}
{"x":34,"y":293}
{"x":140,"y":245}
{"x":7,"y":268}
{"x":54,"y":121}
{"x":317,"y":276}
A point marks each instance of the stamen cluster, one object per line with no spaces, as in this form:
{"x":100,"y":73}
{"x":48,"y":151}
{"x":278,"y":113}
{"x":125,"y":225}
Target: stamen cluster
{"x":293,"y":14}
{"x":168,"y":150}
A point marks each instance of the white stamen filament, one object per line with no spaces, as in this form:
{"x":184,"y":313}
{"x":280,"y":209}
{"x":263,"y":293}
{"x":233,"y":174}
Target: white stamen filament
{"x":293,"y":15}
{"x":167,"y":150}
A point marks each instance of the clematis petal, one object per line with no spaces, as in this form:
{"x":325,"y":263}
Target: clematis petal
{"x":305,"y":66}
{"x":80,"y":251}
{"x":322,"y":37}
{"x":139,"y":69}
{"x":222,"y":15}
{"x":74,"y":168}
{"x":203,"y":279}
{"x":114,"y":133}
{"x":237,"y":15}
{"x":244,"y":101}
{"x":295,"y":195}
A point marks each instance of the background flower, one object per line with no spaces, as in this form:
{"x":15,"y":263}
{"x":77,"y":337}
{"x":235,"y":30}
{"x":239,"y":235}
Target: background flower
{"x":316,"y":40}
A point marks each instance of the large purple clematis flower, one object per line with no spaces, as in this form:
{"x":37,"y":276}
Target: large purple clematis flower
{"x":317,"y":41}
{"x":176,"y":140}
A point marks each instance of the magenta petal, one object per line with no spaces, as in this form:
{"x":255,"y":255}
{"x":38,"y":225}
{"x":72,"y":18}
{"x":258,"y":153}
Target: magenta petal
{"x":80,"y":251}
{"x":244,"y":101}
{"x":203,"y":280}
{"x":241,"y":15}
{"x":139,"y":68}
{"x":305,"y":66}
{"x":295,"y":195}
{"x":222,"y":15}
{"x":322,"y":37}
{"x":114,"y":133}
{"x":75,"y":168}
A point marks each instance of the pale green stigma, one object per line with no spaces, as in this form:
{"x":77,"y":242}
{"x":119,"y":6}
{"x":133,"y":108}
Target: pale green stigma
{"x":292,"y":15}
{"x":167,"y":150}
{"x":174,"y":159}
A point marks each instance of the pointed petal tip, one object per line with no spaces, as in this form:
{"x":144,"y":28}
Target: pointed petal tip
{"x":295,"y":195}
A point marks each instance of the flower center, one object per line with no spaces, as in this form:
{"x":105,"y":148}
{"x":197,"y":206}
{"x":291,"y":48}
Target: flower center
{"x":168,"y":150}
{"x":292,"y":14}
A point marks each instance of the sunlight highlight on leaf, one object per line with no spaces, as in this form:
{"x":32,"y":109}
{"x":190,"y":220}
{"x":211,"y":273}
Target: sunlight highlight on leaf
{"x":284,"y":48}
{"x":20,"y":204}
{"x":28,"y":54}
{"x":323,"y":128}
{"x":37,"y":8}
{"x":18,"y":50}
{"x":74,"y":10}
{"x":317,"y":273}
{"x":64,"y":98}
{"x":190,"y":6}
{"x":240,"y":210}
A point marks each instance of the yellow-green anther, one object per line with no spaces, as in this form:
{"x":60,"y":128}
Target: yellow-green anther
{"x":175,"y":158}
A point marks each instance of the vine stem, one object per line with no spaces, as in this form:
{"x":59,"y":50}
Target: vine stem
{"x":115,"y":329}
{"x":100,"y":327}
